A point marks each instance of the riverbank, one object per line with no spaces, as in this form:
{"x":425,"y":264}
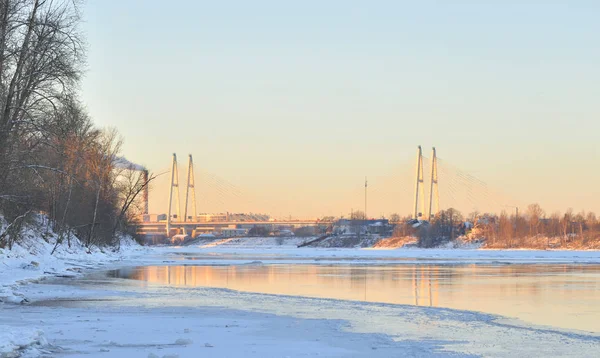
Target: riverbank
{"x":37,"y":256}
{"x":32,"y":260}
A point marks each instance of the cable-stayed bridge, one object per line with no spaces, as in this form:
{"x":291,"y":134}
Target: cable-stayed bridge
{"x":435,"y":185}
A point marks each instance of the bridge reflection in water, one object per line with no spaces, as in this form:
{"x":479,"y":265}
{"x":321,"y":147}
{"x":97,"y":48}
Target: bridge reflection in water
{"x":529,"y":292}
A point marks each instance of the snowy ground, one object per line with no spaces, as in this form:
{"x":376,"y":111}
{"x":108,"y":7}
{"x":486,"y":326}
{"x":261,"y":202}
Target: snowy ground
{"x":100,"y":317}
{"x":32,"y":261}
{"x":286,"y":251}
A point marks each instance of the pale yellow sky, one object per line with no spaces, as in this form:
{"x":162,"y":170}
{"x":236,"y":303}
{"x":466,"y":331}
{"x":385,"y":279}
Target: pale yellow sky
{"x":296,"y":103}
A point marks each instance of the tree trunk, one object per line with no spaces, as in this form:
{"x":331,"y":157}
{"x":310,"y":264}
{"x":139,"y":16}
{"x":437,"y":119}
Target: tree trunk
{"x":19,"y":68}
{"x":63,"y":225}
{"x":91,"y":235}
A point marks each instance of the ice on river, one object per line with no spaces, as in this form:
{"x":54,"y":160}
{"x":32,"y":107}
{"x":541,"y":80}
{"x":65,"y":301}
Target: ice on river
{"x":99,"y":316}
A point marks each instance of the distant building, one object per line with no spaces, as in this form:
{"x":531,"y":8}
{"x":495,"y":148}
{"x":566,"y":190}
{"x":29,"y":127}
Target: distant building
{"x":152,"y":218}
{"x":229,"y":232}
{"x":149,"y":218}
{"x":206,"y":218}
{"x":379,"y":227}
{"x":248,"y":217}
{"x":283,"y":232}
{"x":362,"y":227}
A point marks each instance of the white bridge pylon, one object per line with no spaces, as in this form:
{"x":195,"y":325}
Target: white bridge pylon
{"x":190,"y":185}
{"x":434,"y":194}
{"x":433,"y":187}
{"x":175,"y":185}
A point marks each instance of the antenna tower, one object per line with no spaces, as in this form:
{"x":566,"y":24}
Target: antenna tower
{"x":366,"y":217}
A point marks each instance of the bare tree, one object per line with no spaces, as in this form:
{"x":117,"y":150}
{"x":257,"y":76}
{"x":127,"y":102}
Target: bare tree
{"x":566,"y":223}
{"x":394,"y":218}
{"x":40,"y":60}
{"x":505,"y":230}
{"x":580,"y":220}
{"x":358,"y":215}
{"x":131,"y":183}
{"x":591,"y":222}
{"x":52,"y":159}
{"x":101,"y":163}
{"x":534,"y":215}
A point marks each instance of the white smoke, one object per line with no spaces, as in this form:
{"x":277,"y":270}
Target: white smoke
{"x":122,"y":162}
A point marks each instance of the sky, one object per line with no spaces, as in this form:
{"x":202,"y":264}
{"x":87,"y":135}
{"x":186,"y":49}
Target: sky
{"x":287,"y":106}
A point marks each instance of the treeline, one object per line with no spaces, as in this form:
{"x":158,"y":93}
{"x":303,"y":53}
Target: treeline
{"x":531,"y":228}
{"x":53,"y":159}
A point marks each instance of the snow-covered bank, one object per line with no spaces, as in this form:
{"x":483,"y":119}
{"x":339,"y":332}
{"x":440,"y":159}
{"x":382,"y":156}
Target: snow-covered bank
{"x":269,"y":249}
{"x":393,"y":243}
{"x":249,"y":242}
{"x":32,"y":259}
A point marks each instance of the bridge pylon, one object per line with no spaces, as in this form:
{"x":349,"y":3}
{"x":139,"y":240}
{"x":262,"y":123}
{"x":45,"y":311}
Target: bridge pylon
{"x":190,"y":186}
{"x":419,"y":186}
{"x":174,"y":184}
{"x":434,"y":193}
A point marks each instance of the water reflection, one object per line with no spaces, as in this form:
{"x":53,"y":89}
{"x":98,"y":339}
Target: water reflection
{"x":566,"y":296}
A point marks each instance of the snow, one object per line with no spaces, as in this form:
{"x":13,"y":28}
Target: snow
{"x":291,"y":254}
{"x":32,"y":257}
{"x":287,"y":251}
{"x":97,"y":317}
{"x":253,"y":242}
{"x":189,"y":332}
{"x":161,"y":321}
{"x":31,"y":260}
{"x":27,"y":340}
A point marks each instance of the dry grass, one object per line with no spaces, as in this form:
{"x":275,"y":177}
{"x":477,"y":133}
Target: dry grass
{"x":531,"y":243}
{"x":395,"y":242}
{"x":547,"y":243}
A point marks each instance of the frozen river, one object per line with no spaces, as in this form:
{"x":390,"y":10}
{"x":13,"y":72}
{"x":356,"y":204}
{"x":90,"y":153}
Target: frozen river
{"x":288,"y":302}
{"x":557,"y":295}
